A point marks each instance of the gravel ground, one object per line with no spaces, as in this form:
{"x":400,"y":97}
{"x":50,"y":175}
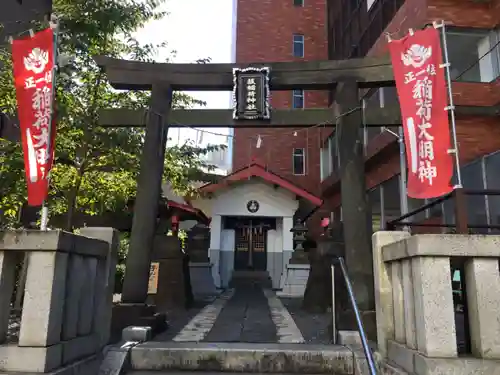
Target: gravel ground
{"x":314,"y":327}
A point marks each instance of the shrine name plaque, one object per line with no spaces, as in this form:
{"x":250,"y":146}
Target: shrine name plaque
{"x":251,"y":94}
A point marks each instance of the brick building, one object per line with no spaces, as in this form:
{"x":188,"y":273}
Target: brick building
{"x":356,"y":29}
{"x":289,"y":30}
{"x":283,"y":30}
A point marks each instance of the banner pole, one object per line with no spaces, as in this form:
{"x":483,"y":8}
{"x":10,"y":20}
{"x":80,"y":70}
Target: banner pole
{"x":54,"y":24}
{"x":451,"y":106}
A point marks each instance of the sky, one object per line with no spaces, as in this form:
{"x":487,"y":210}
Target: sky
{"x":196,"y":29}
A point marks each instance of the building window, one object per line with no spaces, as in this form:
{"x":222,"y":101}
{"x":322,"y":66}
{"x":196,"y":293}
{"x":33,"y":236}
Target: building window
{"x":298,"y":98}
{"x":298,"y":45}
{"x":474,"y":55}
{"x":299,"y":161}
{"x":298,"y":3}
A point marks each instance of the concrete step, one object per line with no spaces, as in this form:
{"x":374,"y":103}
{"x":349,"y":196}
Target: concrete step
{"x":241,"y":358}
{"x":186,"y":373}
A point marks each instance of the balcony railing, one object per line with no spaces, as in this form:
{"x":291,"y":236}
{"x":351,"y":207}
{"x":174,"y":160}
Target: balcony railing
{"x":461,"y":225}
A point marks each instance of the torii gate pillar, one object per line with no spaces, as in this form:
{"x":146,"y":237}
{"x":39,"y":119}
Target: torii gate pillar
{"x":355,"y":209}
{"x":135,"y":285}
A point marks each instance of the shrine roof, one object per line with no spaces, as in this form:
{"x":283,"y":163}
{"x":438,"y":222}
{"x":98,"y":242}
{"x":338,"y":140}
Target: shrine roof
{"x":255,"y":169}
{"x":188,"y":212}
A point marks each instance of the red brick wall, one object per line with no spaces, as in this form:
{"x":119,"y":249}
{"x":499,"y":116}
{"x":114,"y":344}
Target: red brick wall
{"x":466,"y":13}
{"x":412,"y":14}
{"x":264,"y":34}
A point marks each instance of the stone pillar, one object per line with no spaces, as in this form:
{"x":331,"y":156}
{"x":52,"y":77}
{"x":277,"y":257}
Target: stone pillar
{"x":409,"y":303}
{"x":434,"y":311}
{"x":214,"y":251}
{"x":135,"y":285}
{"x":355,"y":209}
{"x":43,"y":308}
{"x":483,"y":285}
{"x":383,"y":288}
{"x":398,"y":301}
{"x":105,"y":281}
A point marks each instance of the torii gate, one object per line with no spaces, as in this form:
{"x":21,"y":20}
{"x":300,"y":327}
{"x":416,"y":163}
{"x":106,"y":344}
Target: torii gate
{"x":346,"y":77}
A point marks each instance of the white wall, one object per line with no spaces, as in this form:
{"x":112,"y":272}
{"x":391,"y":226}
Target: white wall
{"x":272,"y":202}
{"x":232,"y":201}
{"x":226,"y":258}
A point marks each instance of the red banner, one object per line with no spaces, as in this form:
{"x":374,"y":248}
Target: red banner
{"x":419,"y":74}
{"x":33,"y":59}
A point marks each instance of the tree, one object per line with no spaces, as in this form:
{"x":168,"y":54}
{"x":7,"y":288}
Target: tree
{"x":95,"y":168}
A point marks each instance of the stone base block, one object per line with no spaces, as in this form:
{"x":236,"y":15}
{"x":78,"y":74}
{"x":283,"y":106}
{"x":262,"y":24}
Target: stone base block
{"x":349,"y":338}
{"x":136,"y":334}
{"x":415,"y":363}
{"x":46,"y":359}
{"x":129,"y":314}
{"x":85,"y":366}
{"x":30,"y":359}
{"x":391,"y":369}
{"x":202,"y":282}
{"x":80,"y":347}
{"x":401,"y":356}
{"x":294,"y":280}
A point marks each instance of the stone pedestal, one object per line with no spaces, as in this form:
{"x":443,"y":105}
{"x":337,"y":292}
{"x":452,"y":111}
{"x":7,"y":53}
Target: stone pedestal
{"x":200,"y":268}
{"x":202,"y":281}
{"x":294,"y":279}
{"x":174,"y":284}
{"x":299,"y":257}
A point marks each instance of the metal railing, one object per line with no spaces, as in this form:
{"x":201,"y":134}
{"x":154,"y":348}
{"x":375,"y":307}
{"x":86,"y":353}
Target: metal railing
{"x":461,"y":224}
{"x":364,"y":340}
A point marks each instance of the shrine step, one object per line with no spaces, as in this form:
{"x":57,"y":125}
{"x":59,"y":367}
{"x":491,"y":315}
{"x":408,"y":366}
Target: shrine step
{"x":242,"y":358}
{"x":261,"y":278}
{"x":195,"y":373}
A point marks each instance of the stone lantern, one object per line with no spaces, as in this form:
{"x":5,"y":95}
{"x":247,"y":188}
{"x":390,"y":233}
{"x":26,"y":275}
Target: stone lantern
{"x":299,"y":231}
{"x":198,"y":242}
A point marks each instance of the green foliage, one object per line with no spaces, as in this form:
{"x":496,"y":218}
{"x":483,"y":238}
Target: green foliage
{"x":120,"y":266}
{"x":95,"y":168}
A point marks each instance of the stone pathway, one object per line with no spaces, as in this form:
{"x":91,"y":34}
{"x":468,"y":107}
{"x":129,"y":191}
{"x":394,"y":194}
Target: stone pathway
{"x":203,"y":322}
{"x":246,"y":318}
{"x":287,"y":330}
{"x":251,"y":314}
